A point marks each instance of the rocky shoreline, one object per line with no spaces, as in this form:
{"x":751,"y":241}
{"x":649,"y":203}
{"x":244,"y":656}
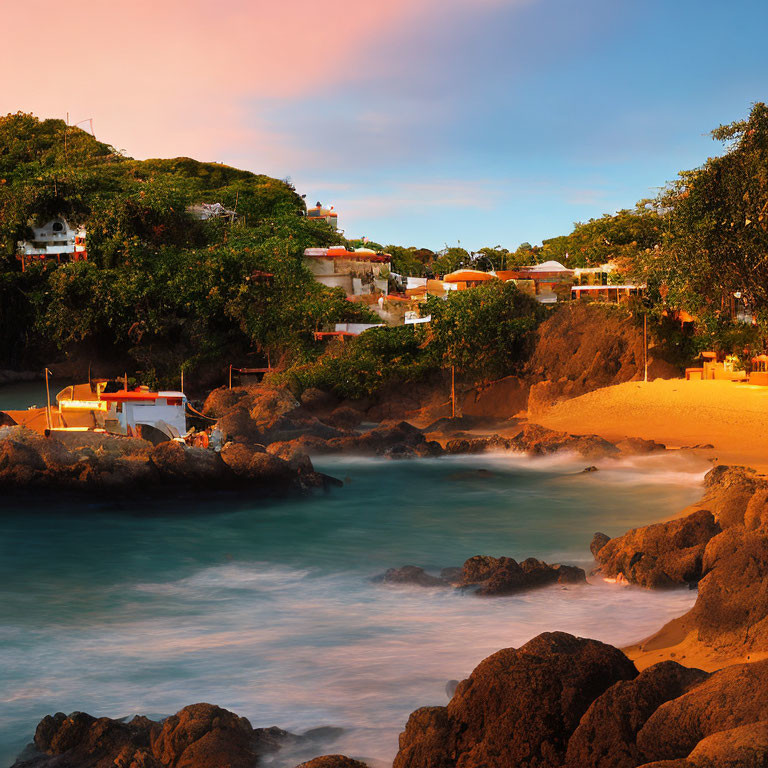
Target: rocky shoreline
{"x":270,"y":439}
{"x":558,"y":701}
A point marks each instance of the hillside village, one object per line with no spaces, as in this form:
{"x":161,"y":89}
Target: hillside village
{"x":247,"y":276}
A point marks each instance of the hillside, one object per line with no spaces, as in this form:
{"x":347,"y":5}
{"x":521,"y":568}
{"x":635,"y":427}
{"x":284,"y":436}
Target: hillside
{"x":161,"y":289}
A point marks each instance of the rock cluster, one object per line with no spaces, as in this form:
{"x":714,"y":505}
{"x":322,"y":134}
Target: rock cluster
{"x":661,"y":555}
{"x":199,"y":736}
{"x":725,"y":552}
{"x":86,"y":461}
{"x":488,"y":576}
{"x":317,"y":425}
{"x":399,"y":440}
{"x":565,"y":702}
{"x":537,"y":440}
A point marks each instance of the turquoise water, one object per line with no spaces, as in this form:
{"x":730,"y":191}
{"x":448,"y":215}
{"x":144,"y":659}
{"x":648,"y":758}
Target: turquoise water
{"x":267,"y":608}
{"x":27,"y":394}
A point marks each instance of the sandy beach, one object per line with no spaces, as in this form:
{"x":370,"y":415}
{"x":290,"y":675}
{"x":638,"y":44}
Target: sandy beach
{"x":731,"y":417}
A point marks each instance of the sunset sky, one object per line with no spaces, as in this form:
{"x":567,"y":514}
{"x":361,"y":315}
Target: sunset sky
{"x":424,"y":122}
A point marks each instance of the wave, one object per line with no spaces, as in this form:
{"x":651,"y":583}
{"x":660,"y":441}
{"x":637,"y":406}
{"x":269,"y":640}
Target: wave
{"x":322,"y":650}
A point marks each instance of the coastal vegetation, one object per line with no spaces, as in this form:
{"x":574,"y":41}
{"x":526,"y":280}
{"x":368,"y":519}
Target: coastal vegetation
{"x":164,"y":291}
{"x":160,"y":286}
{"x":484,"y":333}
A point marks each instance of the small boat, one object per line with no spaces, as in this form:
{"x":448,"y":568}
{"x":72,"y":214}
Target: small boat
{"x":102,"y":407}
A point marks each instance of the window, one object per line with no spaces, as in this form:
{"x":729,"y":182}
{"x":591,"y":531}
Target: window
{"x":57,"y":226}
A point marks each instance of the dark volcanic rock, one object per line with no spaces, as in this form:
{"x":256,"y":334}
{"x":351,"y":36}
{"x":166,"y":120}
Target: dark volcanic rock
{"x":633,"y":446}
{"x":199,"y":736}
{"x":504,"y":576}
{"x":205,"y":736}
{"x":471,"y":445}
{"x":742,"y":747}
{"x":99,"y":463}
{"x":315,"y":399}
{"x":660,"y":555}
{"x":733,"y":697}
{"x":344,"y":417}
{"x":599,"y":540}
{"x":518,"y":707}
{"x":264,"y":414}
{"x":605,"y":737}
{"x":537,"y":440}
{"x":398,"y":440}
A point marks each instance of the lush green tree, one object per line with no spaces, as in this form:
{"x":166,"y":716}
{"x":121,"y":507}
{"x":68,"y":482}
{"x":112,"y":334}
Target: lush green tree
{"x":449,"y":260}
{"x":361,"y":366}
{"x":610,"y":238}
{"x":485,"y":332}
{"x":716,"y":245}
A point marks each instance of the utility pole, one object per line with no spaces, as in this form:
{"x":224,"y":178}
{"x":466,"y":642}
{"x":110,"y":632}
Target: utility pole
{"x":645,"y":346}
{"x":453,"y":391}
{"x":48,"y":401}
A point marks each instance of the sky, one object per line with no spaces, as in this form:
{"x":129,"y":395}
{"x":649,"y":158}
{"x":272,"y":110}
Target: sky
{"x":423,"y":122}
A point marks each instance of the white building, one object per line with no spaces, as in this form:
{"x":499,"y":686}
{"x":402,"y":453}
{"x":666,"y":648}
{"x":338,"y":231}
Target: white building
{"x":358,"y":272}
{"x":157,"y":409}
{"x":56,"y":239}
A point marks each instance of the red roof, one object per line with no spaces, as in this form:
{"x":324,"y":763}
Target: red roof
{"x":124,"y":395}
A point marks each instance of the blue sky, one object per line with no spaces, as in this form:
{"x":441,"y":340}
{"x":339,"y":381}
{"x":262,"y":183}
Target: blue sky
{"x":424,"y":122}
{"x":510,"y":122}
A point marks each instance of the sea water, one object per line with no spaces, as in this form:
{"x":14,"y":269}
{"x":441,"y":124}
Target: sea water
{"x":267,"y":607}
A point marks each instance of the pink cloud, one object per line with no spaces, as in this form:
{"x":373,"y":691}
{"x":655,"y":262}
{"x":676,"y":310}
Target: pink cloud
{"x":170,"y":77}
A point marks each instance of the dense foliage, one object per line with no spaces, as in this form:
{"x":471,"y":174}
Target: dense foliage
{"x":161,"y":288}
{"x":714,"y":257}
{"x":484,"y":333}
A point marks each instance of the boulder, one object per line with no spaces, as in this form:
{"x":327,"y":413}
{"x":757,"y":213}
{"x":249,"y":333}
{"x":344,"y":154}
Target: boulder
{"x":742,"y":747}
{"x":729,"y":491}
{"x":517,"y":708}
{"x":315,"y":399}
{"x":198,"y":736}
{"x":633,"y":446}
{"x":733,"y":697}
{"x":108,"y":463}
{"x":756,"y":512}
{"x":471,"y":445}
{"x":495,"y":577}
{"x":344,"y":417}
{"x":661,"y":555}
{"x":535,"y":439}
{"x":732,"y":605}
{"x":88,"y":742}
{"x":605,"y":737}
{"x":238,"y":426}
{"x":599,"y":540}
{"x":263,"y":414}
{"x":206,"y":736}
{"x":178,"y":463}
